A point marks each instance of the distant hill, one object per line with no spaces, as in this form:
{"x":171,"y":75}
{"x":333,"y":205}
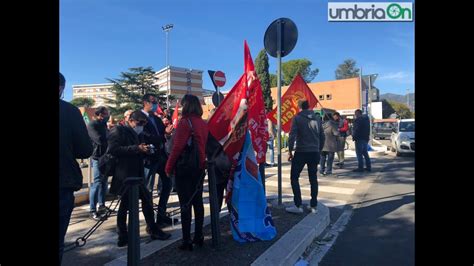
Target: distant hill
{"x":399,"y":98}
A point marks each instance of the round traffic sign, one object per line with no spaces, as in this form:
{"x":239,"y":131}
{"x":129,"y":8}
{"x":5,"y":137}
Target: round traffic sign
{"x":217,"y":100}
{"x":288,"y":37}
{"x":219,"y":78}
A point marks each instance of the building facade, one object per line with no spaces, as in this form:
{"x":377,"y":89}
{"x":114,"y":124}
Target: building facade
{"x":98,"y":92}
{"x":176,"y":81}
{"x":343,"y":95}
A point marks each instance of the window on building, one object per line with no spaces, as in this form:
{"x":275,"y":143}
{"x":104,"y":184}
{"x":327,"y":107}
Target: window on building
{"x":321,"y":97}
{"x":328,"y":96}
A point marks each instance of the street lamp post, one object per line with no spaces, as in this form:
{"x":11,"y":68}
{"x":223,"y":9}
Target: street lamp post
{"x":167,"y":28}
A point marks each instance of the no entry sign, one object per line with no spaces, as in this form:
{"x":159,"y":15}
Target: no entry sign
{"x":219,"y":78}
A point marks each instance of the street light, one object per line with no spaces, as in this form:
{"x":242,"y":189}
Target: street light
{"x":372,"y":78}
{"x":167,"y":28}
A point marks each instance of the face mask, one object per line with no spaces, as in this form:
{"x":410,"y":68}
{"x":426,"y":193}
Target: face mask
{"x":154,"y":107}
{"x":138,"y":129}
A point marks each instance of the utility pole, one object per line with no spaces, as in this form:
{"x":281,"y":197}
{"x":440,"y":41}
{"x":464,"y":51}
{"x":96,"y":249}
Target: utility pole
{"x":167,"y":28}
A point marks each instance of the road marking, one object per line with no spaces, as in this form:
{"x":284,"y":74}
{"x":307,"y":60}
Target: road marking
{"x":329,"y":238}
{"x":328,"y":202}
{"x":329,"y":189}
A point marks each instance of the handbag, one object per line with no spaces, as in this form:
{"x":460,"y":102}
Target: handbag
{"x":188,"y":161}
{"x":107,"y":162}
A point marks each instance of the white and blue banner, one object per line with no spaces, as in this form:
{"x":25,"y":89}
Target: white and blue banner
{"x":251,"y":219}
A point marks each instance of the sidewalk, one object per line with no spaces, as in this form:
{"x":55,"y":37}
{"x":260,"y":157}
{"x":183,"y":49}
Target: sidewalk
{"x":101,"y":247}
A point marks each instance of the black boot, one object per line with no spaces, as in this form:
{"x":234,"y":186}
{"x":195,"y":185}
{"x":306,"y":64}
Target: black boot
{"x":122,"y":240}
{"x":198,"y":241}
{"x":186,"y":245}
{"x":159,"y":234}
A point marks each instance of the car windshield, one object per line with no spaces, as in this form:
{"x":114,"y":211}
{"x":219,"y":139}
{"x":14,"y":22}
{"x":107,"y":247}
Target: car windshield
{"x":407,"y":126}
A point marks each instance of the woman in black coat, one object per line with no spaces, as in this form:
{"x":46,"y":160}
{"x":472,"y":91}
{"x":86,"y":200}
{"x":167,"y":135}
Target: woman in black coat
{"x":124,"y":144}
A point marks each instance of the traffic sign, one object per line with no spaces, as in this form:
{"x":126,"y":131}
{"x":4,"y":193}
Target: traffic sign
{"x":219,"y":78}
{"x":216,"y":101}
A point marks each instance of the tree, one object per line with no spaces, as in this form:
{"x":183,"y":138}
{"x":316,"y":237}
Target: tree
{"x":401,"y":109}
{"x":273,"y":80}
{"x":261,"y":67}
{"x":347,"y":70}
{"x":130,"y":88}
{"x":82,"y":102}
{"x":298,"y":66}
{"x":387,"y":109}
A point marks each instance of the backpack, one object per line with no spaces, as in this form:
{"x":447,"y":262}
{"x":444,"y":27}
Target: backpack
{"x":188,"y":161}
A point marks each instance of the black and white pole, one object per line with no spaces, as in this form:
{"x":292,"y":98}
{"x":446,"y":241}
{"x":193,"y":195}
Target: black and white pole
{"x":279,"y":31}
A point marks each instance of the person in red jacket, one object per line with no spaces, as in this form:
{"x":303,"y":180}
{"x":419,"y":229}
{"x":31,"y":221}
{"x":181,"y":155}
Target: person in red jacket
{"x":188,"y":182}
{"x":343,"y":128}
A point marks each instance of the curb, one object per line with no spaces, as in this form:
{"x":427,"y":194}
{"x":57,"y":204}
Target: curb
{"x":289,"y":248}
{"x":148,"y":249}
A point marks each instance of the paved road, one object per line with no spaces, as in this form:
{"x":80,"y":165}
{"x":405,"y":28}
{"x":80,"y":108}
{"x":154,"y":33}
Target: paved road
{"x":381,"y":229}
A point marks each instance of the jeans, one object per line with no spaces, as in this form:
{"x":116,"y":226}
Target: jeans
{"x":150,"y":172}
{"x":186,"y":186}
{"x":298,"y":162}
{"x":326,"y":157}
{"x":98,"y":188}
{"x":166,"y":187}
{"x":361,"y":151}
{"x":66,"y":205}
{"x":272,"y":152}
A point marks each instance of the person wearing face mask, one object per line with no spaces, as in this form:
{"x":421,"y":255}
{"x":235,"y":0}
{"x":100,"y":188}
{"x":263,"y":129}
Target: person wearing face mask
{"x":155,"y":133}
{"x":127,"y":145}
{"x":98,"y":131}
{"x":74,"y":143}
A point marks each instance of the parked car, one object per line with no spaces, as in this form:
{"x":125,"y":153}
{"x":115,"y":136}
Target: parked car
{"x":403,"y":137}
{"x":383,"y":128}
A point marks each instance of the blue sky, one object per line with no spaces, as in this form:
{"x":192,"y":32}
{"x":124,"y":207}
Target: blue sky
{"x":100,"y":39}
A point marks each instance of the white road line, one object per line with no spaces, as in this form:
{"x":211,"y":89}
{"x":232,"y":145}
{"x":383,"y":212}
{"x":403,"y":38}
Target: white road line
{"x":328,"y":202}
{"x":318,"y":253}
{"x":329,"y":189}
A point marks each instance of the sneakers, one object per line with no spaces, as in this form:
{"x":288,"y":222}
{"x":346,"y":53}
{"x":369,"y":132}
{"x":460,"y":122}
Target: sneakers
{"x":95,"y":216}
{"x":368,"y":169}
{"x":358,"y":170}
{"x":312,"y":209}
{"x":294,"y":209}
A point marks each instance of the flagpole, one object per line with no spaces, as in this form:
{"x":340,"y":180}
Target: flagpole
{"x":279,"y":109}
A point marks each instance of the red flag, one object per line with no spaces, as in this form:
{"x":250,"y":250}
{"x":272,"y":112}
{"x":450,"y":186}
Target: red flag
{"x":174,"y":118}
{"x":229,"y":122}
{"x":158,"y":111}
{"x":289,"y":102}
{"x":257,"y":121}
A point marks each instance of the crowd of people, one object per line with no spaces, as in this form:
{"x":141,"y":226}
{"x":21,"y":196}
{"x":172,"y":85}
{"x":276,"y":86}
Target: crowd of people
{"x":144,"y":144}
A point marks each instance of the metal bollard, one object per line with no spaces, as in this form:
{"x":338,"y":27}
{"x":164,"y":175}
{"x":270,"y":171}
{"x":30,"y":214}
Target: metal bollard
{"x":214,"y":204}
{"x":133,"y":252}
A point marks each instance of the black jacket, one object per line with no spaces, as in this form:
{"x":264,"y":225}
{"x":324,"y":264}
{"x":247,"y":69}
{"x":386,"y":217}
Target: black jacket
{"x":155,"y":136}
{"x":74,"y":143}
{"x":98,"y":134}
{"x":307,"y":131}
{"x":361,"y":128}
{"x":123,"y":144}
